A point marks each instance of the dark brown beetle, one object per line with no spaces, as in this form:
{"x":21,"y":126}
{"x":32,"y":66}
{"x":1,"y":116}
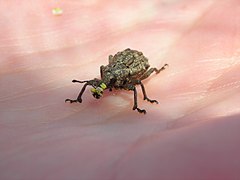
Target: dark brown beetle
{"x":125,"y":70}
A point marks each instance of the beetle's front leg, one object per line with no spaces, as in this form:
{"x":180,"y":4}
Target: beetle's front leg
{"x":79,"y":98}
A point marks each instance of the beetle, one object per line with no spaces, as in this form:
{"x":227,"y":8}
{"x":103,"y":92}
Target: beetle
{"x":125,"y":70}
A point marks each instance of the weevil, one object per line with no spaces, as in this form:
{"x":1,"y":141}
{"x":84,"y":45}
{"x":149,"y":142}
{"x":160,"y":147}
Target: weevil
{"x":125,"y":70}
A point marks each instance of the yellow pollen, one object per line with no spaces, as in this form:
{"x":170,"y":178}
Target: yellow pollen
{"x":103,"y":86}
{"x":93,"y":90}
{"x":57,"y":11}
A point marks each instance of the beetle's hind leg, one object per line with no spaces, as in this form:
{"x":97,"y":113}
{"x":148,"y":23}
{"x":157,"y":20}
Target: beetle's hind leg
{"x":145,"y":94}
{"x":151,"y":70}
{"x":79,"y":98}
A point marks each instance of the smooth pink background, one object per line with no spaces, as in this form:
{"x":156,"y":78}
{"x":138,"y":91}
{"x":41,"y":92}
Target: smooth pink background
{"x":193,"y":133}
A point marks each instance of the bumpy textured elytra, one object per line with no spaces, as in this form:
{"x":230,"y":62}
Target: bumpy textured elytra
{"x":125,"y":70}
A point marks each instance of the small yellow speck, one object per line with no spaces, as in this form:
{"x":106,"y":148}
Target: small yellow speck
{"x":57,"y":11}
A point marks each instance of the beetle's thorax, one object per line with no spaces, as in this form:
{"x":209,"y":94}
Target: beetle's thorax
{"x":108,"y":79}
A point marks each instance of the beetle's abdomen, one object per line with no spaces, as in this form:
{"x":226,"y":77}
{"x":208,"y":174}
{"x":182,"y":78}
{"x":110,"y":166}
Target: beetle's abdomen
{"x":131,"y":60}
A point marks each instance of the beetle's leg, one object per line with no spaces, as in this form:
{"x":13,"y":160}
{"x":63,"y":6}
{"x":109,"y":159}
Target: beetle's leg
{"x":151,"y":70}
{"x":145,"y":94}
{"x":101,"y":71}
{"x":79,"y":98}
{"x":135,"y":106}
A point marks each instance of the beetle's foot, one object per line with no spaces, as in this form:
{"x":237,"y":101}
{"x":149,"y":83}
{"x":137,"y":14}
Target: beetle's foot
{"x":151,"y":101}
{"x":72,"y":101}
{"x":140,"y":110}
{"x":165,"y":65}
{"x":162,"y":68}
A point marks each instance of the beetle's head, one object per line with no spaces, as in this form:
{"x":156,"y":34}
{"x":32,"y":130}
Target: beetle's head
{"x":97,"y":91}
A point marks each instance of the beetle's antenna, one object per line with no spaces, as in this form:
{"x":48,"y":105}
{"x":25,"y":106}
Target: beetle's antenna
{"x":74,"y":81}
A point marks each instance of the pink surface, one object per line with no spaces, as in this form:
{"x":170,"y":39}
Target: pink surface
{"x":192,"y":134}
